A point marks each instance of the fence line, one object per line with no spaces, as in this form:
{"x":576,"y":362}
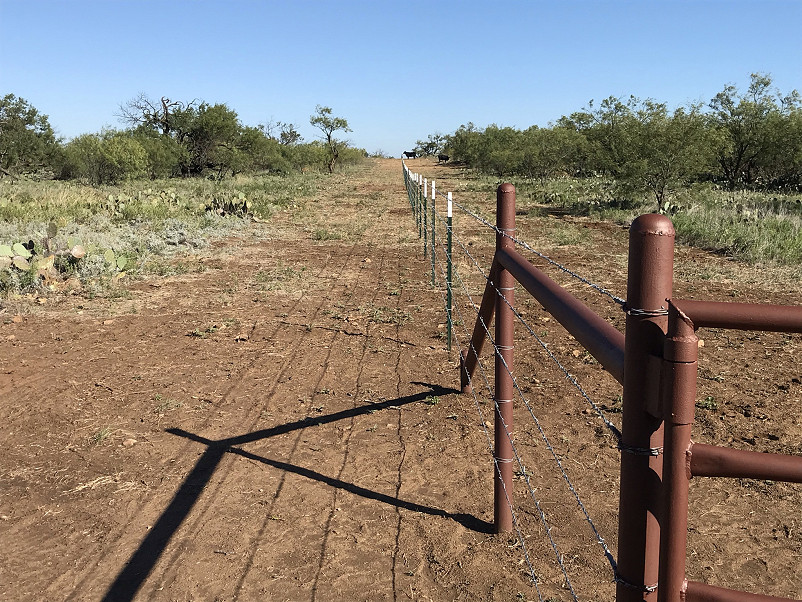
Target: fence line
{"x":504,"y":368}
{"x":522,"y":468}
{"x":656,"y":364}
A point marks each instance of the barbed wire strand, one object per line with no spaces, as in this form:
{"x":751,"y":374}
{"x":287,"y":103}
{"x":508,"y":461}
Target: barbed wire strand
{"x":528,"y":247}
{"x":522,"y":467}
{"x":549,"y":446}
{"x":610,"y":426}
{"x":571,"y":378}
{"x":490,"y":445}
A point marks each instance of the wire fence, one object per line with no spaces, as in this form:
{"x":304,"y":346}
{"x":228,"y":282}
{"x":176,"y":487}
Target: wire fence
{"x":460,"y":271}
{"x":568,"y":482}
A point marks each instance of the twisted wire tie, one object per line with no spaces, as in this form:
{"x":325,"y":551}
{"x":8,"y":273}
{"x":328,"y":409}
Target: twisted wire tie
{"x":647,"y":589}
{"x":640,"y":451}
{"x":648,"y":313}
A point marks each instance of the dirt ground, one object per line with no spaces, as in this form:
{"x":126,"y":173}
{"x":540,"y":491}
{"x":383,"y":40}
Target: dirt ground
{"x":282,"y":423}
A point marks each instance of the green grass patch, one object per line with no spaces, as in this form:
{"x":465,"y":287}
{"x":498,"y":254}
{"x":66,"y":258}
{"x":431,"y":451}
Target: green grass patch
{"x":133,"y":228}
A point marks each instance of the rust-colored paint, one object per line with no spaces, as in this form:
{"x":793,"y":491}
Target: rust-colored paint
{"x":714,"y":461}
{"x":505,"y":326}
{"x":700,"y":592}
{"x":593,"y":332}
{"x":678,"y":399}
{"x":470,"y":356}
{"x":742,"y":316}
{"x":649,"y":285}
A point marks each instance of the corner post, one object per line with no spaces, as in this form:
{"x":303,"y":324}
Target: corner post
{"x":649,"y":285}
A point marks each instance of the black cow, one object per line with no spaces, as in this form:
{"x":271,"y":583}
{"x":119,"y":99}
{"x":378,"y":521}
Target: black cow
{"x":443,"y":158}
{"x":410,"y":154}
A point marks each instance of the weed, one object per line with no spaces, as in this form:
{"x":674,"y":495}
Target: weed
{"x":323,"y":234}
{"x":385,"y":315}
{"x":164,"y":405}
{"x":431,"y":400}
{"x":709,"y":403}
{"x":277,"y":277}
{"x":204,"y":333}
{"x":100,"y":436}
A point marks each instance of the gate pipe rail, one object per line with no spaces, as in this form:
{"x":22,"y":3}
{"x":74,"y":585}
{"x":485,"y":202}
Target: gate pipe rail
{"x":656,"y":362}
{"x":741,"y":316}
{"x":630,"y":360}
{"x":594,"y":333}
{"x":714,"y":461}
{"x":684,"y":459}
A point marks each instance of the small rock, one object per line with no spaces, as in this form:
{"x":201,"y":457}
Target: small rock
{"x":108,"y":322}
{"x":129,"y":442}
{"x":701,"y":343}
{"x":17,"y":319}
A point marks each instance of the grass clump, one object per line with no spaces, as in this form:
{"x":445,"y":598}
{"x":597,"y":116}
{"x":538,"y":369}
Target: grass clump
{"x":130,"y":229}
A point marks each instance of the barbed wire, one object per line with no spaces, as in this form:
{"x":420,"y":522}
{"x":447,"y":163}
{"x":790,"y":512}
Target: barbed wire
{"x":490,"y":445}
{"x":616,"y":432}
{"x":618,"y":300}
{"x":521,"y":466}
{"x":572,"y":379}
{"x":610,"y":426}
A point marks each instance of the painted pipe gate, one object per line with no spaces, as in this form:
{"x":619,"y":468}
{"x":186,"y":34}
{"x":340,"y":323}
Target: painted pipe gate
{"x":656,"y":362}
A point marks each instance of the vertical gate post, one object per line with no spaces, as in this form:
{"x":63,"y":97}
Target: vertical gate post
{"x":679,"y":395}
{"x":502,"y":489}
{"x":649,"y":284}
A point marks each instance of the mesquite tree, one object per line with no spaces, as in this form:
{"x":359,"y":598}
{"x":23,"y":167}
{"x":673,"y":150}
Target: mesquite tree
{"x":326,"y":123}
{"x":27,"y":141}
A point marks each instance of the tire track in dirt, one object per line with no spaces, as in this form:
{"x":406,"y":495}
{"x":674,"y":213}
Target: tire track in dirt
{"x":308,"y":366}
{"x":358,"y":387}
{"x":316,"y":536}
{"x":92,"y":578}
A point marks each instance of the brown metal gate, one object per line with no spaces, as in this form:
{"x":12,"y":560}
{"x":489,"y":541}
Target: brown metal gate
{"x":656,"y":362}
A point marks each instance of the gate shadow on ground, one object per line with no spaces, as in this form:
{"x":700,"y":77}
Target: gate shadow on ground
{"x":136,"y":571}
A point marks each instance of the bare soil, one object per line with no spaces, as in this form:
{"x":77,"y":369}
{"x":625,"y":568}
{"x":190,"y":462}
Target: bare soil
{"x":282,"y":423}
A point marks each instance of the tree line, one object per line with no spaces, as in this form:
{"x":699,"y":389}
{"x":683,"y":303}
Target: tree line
{"x":739,"y":140}
{"x":167,"y":138}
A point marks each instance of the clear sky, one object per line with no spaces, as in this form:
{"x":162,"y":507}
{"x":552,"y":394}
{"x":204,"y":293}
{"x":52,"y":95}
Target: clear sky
{"x":396,"y":70}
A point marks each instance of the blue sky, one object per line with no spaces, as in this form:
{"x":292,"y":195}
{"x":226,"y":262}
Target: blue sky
{"x":397,"y":71}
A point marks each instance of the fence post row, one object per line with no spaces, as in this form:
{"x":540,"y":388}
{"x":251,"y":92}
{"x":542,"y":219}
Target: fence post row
{"x":656,"y":362}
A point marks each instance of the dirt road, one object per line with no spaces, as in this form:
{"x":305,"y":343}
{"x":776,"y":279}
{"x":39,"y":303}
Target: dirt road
{"x":280,"y":424}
